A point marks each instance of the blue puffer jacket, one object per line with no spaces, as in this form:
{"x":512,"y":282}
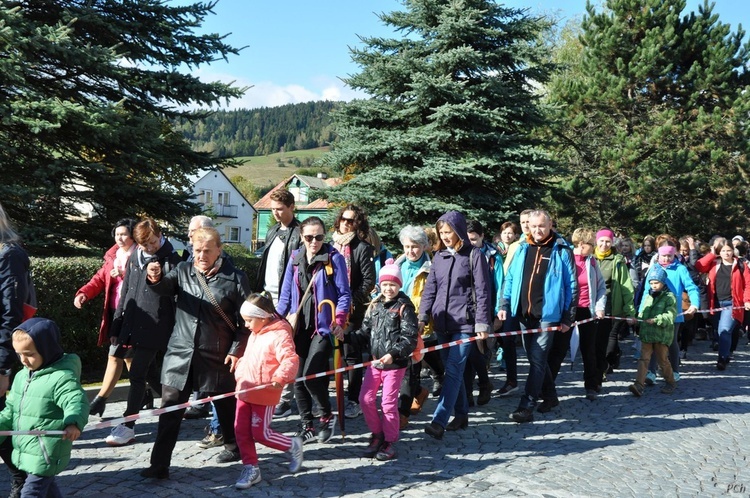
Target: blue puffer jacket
{"x":560,"y":284}
{"x":678,"y":280}
{"x":448,"y":297}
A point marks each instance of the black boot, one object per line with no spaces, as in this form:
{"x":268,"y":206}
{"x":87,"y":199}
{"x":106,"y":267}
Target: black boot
{"x":97,"y":405}
{"x":485,"y":391}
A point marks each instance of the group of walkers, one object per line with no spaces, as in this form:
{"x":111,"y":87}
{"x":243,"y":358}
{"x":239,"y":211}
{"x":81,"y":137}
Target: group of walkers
{"x":198,"y":326}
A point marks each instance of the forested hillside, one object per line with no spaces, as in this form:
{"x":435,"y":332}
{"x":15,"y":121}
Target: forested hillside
{"x":257,"y":132}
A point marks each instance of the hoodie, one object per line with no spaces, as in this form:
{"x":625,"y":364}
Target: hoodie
{"x":457,"y":292}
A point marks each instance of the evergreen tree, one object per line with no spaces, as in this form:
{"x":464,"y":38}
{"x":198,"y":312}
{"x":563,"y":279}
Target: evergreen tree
{"x":652,"y":120}
{"x":449,"y":121}
{"x":87,"y":91}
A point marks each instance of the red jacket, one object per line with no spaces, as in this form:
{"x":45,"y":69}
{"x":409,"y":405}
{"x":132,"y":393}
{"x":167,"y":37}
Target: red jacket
{"x":740,"y":282}
{"x":103,"y":281}
{"x":269,"y":357}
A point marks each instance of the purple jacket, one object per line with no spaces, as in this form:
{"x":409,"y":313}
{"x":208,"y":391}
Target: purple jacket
{"x":335,"y":288}
{"x":448,"y":296}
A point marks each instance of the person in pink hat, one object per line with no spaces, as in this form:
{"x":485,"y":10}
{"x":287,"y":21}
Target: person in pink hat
{"x":390,"y":327}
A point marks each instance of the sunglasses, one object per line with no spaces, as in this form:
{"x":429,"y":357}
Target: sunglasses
{"x":350,"y":221}
{"x":319,"y":237}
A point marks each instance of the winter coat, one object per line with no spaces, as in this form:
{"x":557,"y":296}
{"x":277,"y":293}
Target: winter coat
{"x":663,"y":309}
{"x":620,"y":297}
{"x":14,"y":278}
{"x":417,"y":288}
{"x":201,"y":339}
{"x":740,"y":283}
{"x":496,"y":273}
{"x":560,"y":284}
{"x":144,"y":318}
{"x":389,"y":327}
{"x":269,"y":357}
{"x":363,"y":279}
{"x":293,"y":242}
{"x":597,"y":287}
{"x":103,"y":281}
{"x":678,"y":280}
{"x":457,"y":298}
{"x":50,"y":398}
{"x":325,"y":286}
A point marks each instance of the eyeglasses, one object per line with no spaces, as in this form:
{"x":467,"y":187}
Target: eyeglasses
{"x":319,"y":237}
{"x":350,"y":221}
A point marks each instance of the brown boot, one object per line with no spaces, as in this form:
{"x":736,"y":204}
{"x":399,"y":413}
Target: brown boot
{"x":416,"y":405}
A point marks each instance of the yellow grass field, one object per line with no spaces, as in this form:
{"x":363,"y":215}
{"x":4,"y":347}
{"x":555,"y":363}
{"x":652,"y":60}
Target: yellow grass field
{"x":265,"y":170}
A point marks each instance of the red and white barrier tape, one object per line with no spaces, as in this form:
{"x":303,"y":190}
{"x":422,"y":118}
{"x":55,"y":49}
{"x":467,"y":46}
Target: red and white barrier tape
{"x":159,"y":411}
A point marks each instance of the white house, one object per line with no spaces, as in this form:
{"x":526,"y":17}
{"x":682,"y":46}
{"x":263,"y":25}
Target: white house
{"x":233,"y":215}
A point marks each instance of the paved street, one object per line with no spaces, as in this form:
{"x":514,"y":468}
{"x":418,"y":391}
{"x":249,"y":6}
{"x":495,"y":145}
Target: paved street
{"x":694,"y":443}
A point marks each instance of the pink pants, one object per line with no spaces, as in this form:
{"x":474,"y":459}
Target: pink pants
{"x":251,"y":425}
{"x":391,"y":382}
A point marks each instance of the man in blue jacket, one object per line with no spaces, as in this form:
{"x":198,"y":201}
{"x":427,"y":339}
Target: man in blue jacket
{"x":541,"y":290}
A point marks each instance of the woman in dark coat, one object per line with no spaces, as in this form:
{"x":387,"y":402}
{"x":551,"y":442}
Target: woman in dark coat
{"x":205,"y":345}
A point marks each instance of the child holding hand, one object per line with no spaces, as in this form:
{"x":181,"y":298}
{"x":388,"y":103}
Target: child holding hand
{"x":390,"y":326}
{"x":657,"y":330}
{"x":49,"y":389}
{"x":269,"y":360}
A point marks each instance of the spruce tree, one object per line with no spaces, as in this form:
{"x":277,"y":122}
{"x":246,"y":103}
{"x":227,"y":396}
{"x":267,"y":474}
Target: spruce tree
{"x":652,"y":120}
{"x":87,"y":91}
{"x":449,"y":120}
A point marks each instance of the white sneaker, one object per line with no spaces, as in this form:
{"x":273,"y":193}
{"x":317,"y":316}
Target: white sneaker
{"x":295,"y":455}
{"x":250,"y":475}
{"x":352,"y":410}
{"x":120,"y":436}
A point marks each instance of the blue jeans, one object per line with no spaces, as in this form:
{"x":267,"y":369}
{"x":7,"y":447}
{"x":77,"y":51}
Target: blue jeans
{"x":453,"y":397}
{"x":537,"y":347}
{"x":40,"y":487}
{"x":724,"y":324}
{"x":214,"y":426}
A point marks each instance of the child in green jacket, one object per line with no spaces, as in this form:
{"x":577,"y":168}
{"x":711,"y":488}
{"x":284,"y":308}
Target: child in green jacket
{"x":657,"y":330}
{"x":47,"y":396}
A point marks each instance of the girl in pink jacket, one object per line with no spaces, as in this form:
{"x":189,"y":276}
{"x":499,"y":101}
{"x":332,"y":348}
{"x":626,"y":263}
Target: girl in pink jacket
{"x":271,"y":361}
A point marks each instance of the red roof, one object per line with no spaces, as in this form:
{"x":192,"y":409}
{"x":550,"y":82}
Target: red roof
{"x":265,"y":201}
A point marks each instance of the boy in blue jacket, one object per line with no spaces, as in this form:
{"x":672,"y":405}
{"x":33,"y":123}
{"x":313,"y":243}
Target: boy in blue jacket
{"x":47,"y":396}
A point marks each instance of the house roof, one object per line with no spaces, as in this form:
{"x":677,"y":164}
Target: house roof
{"x":311,"y":181}
{"x":203,"y":173}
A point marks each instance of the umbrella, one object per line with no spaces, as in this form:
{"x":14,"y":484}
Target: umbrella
{"x":338,"y":363}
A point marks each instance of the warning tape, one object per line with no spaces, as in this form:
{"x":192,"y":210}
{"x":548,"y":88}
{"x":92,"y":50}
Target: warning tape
{"x":173,"y":408}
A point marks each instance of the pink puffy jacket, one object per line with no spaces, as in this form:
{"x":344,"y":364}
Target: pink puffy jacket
{"x":269,"y":357}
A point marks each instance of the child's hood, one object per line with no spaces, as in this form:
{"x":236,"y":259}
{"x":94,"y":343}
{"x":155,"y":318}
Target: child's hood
{"x":46,"y":336}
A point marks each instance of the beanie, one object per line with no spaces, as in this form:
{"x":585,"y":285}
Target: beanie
{"x":605,"y":232}
{"x":390,"y":273}
{"x":657,"y":273}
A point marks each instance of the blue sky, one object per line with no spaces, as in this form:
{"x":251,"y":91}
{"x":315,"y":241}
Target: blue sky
{"x":297,"y":50}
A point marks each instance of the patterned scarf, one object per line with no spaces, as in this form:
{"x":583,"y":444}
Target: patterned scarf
{"x":341,"y":243}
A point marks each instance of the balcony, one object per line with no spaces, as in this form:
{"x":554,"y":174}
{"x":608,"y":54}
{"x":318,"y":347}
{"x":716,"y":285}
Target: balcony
{"x":221,"y":210}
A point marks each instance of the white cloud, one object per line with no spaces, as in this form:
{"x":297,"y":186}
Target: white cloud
{"x":270,"y":94}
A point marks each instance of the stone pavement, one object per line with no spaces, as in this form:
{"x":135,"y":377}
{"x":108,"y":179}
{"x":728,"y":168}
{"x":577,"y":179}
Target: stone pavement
{"x":693,"y":443}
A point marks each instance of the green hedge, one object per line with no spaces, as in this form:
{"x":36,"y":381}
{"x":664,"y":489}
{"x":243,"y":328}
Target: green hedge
{"x":58,"y":279}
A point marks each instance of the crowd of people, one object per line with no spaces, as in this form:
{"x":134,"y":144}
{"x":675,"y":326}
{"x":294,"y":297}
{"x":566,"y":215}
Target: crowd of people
{"x":194,"y":325}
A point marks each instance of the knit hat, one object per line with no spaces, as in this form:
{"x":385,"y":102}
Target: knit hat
{"x":667,"y":249}
{"x":390,"y":273}
{"x":657,"y":273}
{"x":605,"y":232}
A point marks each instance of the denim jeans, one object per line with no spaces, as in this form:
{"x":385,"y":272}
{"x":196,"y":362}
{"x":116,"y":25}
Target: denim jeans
{"x":537,"y":347}
{"x":214,"y":426}
{"x":40,"y":487}
{"x":724,"y":324}
{"x":453,"y":397}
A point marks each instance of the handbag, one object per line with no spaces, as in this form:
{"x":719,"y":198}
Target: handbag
{"x":293,"y":318}
{"x":204,"y":284}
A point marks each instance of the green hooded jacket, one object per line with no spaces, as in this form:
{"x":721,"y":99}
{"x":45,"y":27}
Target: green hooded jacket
{"x":663,"y":309}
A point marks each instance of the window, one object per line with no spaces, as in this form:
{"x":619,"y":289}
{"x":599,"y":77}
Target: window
{"x":233,"y":234}
{"x":206,"y":197}
{"x":222,"y":198}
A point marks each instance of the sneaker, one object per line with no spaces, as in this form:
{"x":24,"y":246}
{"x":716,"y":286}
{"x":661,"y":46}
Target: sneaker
{"x":637,"y":389}
{"x":376,"y":441}
{"x":522,"y":415}
{"x":326,"y":428}
{"x":387,"y":452}
{"x":295,"y":455}
{"x":306,"y":433}
{"x":211,"y":441}
{"x":120,"y":436}
{"x":676,"y":376}
{"x":507,"y":389}
{"x":650,"y":378}
{"x":547,"y":405}
{"x":283,"y":409}
{"x":227,"y":456}
{"x":352,"y":410}
{"x":668,"y":389}
{"x":592,"y":395}
{"x":250,"y":475}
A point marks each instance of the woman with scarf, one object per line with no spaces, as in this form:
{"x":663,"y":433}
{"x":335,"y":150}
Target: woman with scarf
{"x":350,"y":231}
{"x":619,"y":303}
{"x":509,"y":233}
{"x":109,"y":280}
{"x":457,"y":300}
